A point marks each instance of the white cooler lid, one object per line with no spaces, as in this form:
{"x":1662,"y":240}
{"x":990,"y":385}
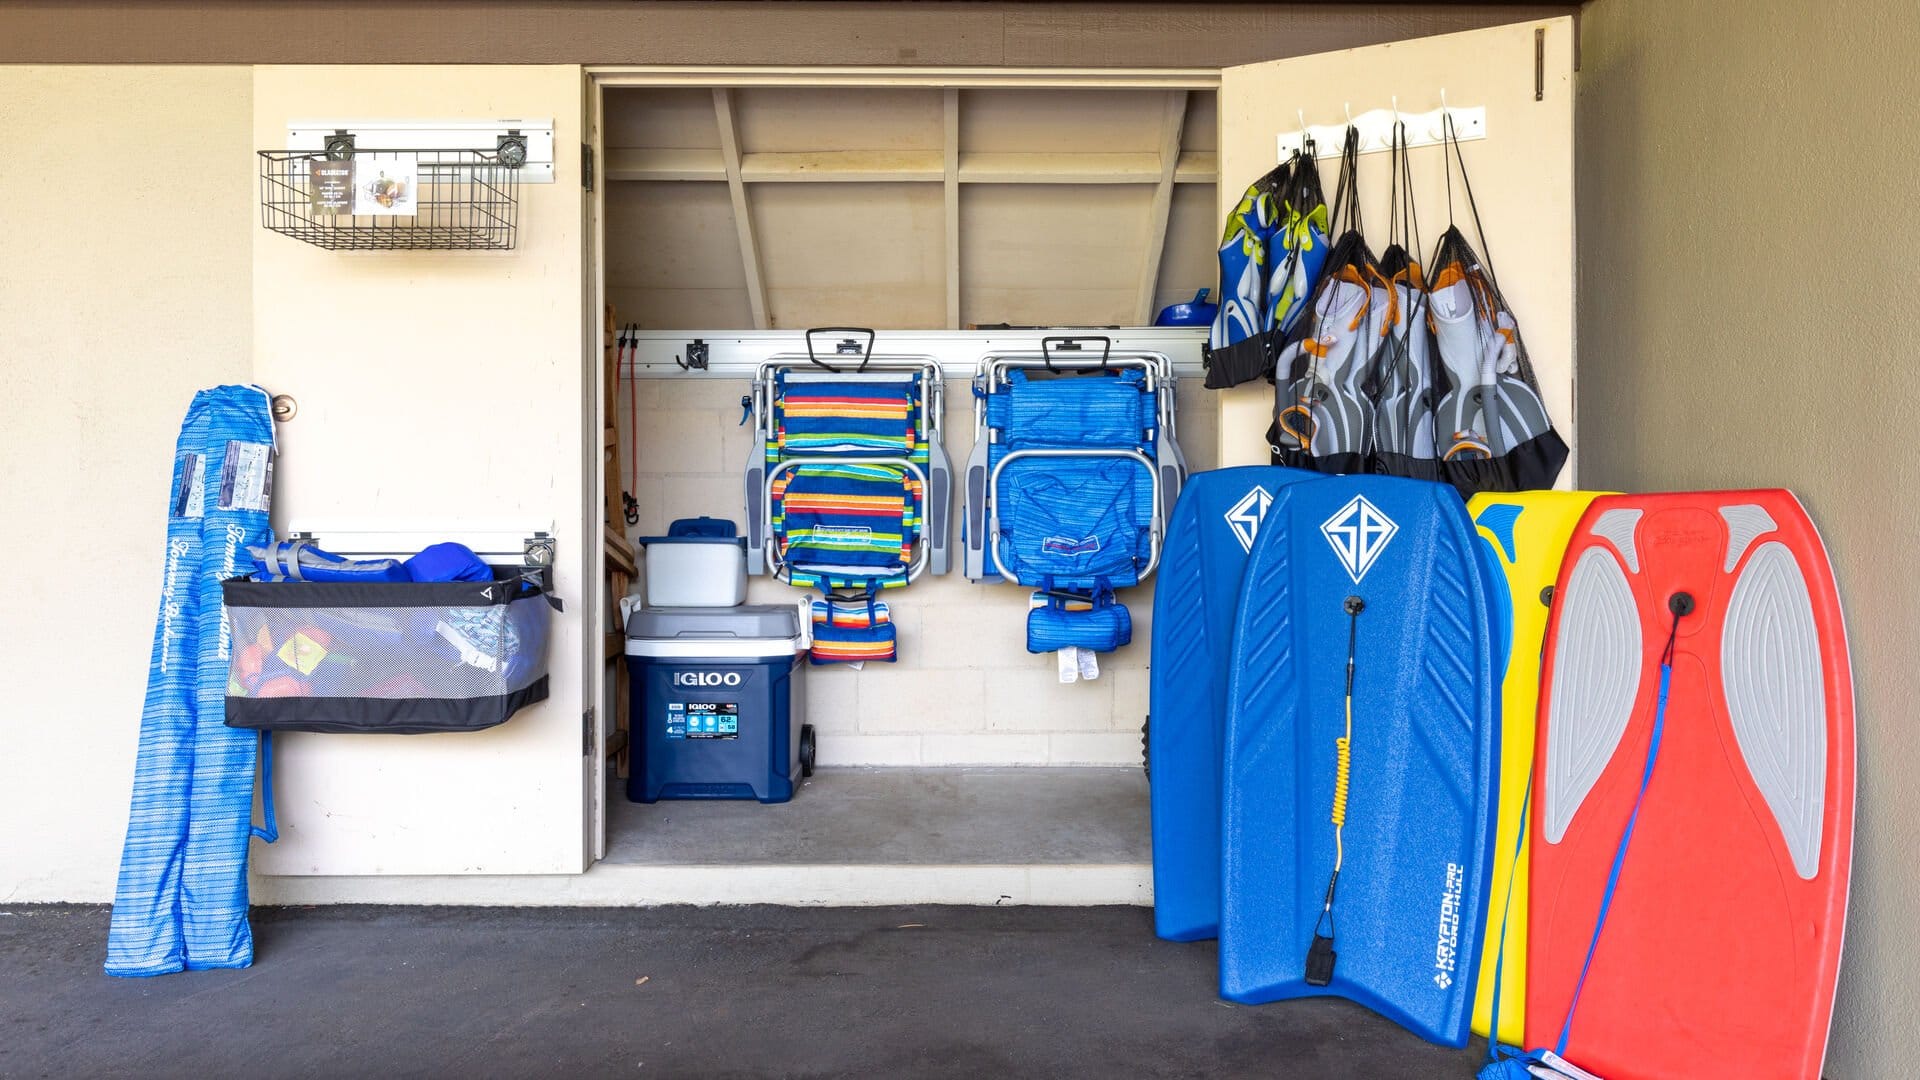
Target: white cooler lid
{"x":752,"y":631}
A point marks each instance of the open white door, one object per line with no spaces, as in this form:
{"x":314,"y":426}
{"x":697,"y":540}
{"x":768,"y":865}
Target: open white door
{"x":430,"y":390}
{"x":1522,"y":174}
{"x":597,"y":411}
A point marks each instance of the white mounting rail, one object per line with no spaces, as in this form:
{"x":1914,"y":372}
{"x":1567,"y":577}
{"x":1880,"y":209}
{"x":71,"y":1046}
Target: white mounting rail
{"x":1376,"y":131}
{"x":501,"y":542}
{"x":311,"y":136}
{"x":736,"y":354}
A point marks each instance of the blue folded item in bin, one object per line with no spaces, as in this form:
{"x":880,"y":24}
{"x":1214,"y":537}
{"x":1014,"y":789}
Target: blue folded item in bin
{"x":448,"y":562}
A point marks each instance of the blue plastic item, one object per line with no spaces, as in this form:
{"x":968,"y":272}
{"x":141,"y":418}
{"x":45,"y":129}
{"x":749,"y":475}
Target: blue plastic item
{"x":181,"y":899}
{"x":1195,"y":312}
{"x":1208,"y":537}
{"x":703,"y":528}
{"x":1411,"y":898}
{"x":718,"y":703}
{"x":700,"y":530}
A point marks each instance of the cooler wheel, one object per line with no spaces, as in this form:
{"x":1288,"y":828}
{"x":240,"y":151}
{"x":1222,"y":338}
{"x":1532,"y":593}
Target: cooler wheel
{"x":806,"y":749}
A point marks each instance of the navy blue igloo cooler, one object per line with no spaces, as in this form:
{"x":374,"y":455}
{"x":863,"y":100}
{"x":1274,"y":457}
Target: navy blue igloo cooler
{"x":719,"y":703}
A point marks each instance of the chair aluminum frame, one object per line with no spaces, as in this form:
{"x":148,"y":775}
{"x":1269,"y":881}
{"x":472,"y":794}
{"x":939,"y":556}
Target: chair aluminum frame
{"x":981,"y":560}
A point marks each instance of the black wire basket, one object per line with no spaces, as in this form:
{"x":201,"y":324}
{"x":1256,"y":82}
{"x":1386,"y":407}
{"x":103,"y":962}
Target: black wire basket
{"x":392,"y":200}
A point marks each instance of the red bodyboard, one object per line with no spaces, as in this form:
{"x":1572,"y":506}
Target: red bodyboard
{"x":1722,"y":946}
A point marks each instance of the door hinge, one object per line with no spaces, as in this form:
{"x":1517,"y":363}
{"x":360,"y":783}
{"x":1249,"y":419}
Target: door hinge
{"x":586,"y":166}
{"x":586,"y":732}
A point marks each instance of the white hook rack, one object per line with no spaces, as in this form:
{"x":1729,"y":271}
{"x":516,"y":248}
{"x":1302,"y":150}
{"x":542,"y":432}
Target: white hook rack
{"x":1376,"y":130}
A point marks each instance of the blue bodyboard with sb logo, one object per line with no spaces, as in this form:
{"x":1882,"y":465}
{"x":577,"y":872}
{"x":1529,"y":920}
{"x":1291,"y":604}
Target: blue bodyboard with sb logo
{"x":1361,"y":733}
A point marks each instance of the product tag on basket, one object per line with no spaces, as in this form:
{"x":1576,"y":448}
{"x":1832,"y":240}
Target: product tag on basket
{"x":330,"y":186}
{"x":388,"y":187}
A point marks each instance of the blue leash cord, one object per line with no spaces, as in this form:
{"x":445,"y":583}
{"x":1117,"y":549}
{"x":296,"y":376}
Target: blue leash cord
{"x":1626,"y":837}
{"x":1680,"y":604}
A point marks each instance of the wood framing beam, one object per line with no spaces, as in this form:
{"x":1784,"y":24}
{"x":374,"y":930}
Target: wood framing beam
{"x":953,"y":206}
{"x":742,"y":222}
{"x":1171,"y":123}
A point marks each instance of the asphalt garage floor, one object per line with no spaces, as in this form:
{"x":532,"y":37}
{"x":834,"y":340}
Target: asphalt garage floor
{"x":679,"y":992}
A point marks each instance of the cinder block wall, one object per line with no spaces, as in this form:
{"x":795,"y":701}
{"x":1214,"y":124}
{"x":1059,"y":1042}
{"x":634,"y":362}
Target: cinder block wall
{"x":965,"y":690}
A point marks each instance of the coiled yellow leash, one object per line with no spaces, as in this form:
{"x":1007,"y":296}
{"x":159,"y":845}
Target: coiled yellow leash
{"x":1320,"y":954}
{"x":1342,"y":774}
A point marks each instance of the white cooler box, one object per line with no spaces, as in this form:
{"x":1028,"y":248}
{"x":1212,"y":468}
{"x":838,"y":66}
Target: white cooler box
{"x":701,"y":562}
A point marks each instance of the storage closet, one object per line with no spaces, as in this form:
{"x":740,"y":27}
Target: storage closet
{"x":918,"y":209}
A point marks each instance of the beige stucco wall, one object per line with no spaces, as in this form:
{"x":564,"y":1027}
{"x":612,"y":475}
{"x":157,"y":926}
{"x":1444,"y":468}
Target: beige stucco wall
{"x":1747,"y":317}
{"x":441,"y":391}
{"x":124,"y":264}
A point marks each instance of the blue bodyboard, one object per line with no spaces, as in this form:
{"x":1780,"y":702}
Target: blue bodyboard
{"x":1212,"y":529}
{"x":1418,"y":838}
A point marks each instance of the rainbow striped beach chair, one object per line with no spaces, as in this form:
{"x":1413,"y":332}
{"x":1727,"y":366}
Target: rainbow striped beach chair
{"x":848,"y":485}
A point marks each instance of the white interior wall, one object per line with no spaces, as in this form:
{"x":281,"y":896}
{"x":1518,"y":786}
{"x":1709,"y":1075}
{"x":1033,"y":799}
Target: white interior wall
{"x":120,"y":295}
{"x":964,"y":690}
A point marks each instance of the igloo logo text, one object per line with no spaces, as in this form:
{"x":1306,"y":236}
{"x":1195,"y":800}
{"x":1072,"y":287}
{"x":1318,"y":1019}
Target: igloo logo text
{"x":706,"y":678}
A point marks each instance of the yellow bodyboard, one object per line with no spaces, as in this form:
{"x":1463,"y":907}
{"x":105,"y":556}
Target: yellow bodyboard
{"x":1528,"y":533}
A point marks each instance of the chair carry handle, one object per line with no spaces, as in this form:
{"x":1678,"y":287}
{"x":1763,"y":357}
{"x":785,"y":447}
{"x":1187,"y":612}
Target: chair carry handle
{"x":848,"y":347}
{"x":1072,"y":343}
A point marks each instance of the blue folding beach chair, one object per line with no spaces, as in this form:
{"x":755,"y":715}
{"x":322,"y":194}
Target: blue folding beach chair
{"x":1074,"y":472}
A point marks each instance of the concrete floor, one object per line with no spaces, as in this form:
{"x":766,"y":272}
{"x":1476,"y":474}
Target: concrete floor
{"x":680,"y":992}
{"x":916,"y":817}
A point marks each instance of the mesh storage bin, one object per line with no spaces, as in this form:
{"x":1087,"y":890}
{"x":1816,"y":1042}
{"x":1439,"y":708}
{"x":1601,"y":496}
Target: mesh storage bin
{"x":392,"y":657}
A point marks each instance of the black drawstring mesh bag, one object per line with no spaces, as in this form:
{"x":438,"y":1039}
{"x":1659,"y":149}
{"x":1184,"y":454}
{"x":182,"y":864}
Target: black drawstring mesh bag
{"x":1407,"y":375}
{"x":1492,"y":432}
{"x":1324,"y":387}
